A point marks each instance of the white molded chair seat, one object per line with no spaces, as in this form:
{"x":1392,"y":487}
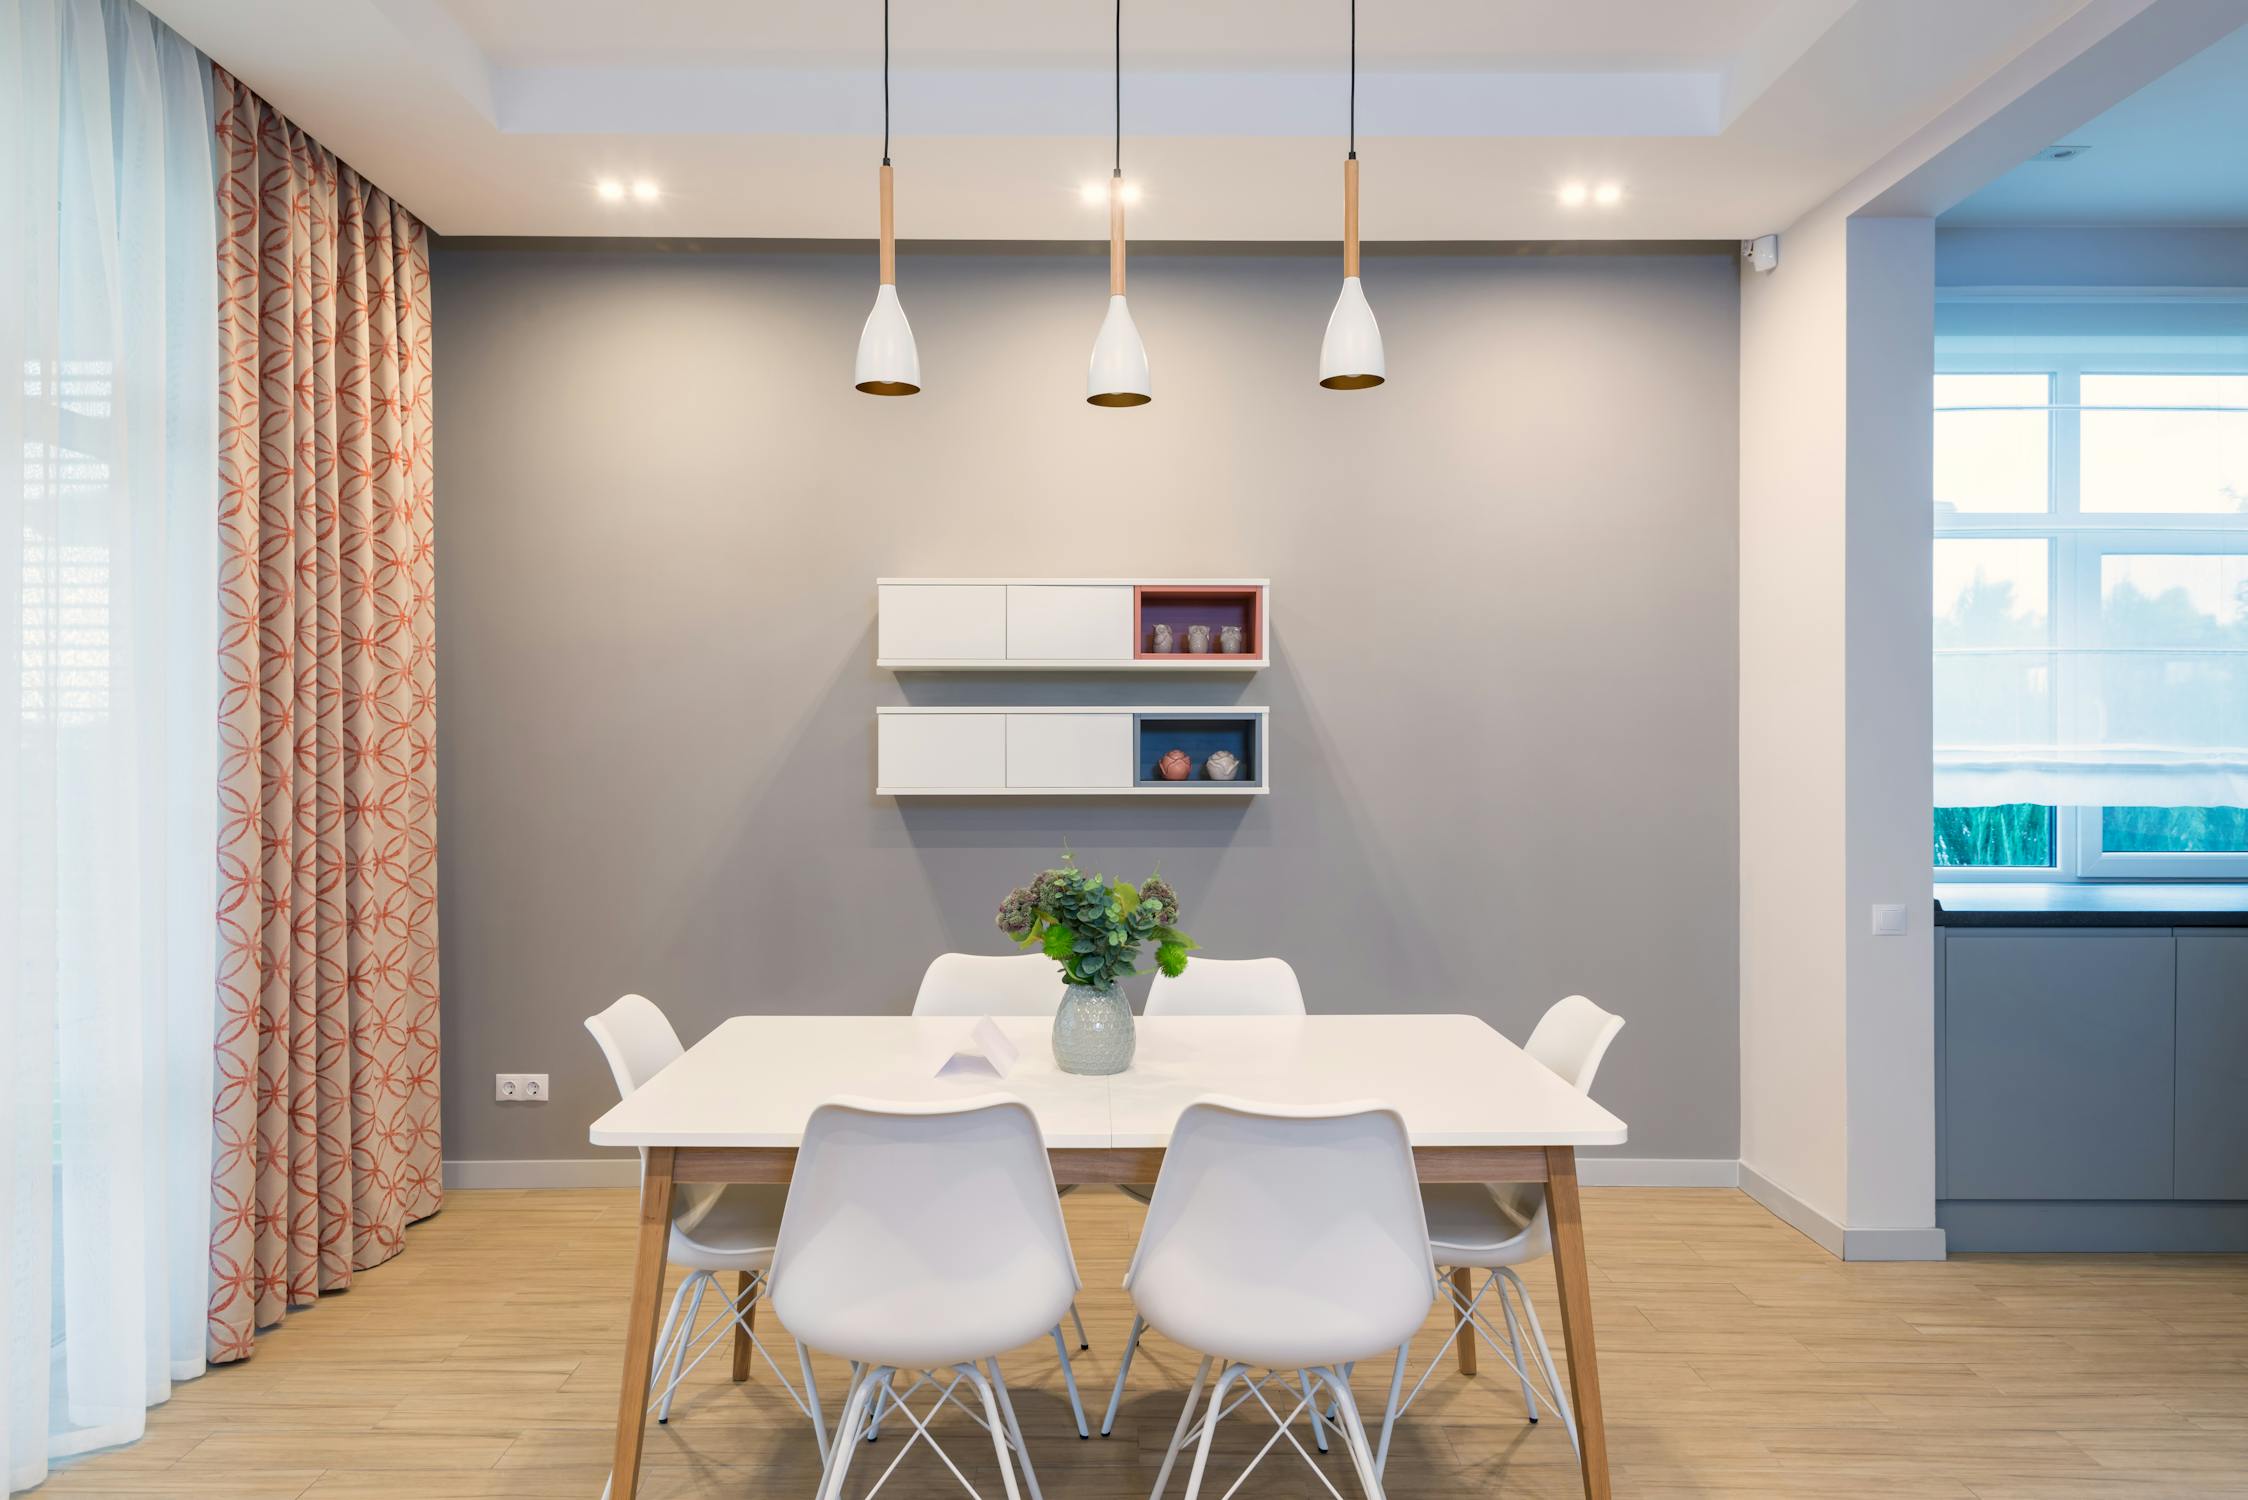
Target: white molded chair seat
{"x":1495,"y":1227}
{"x":1228,"y":987}
{"x":922,"y":1238}
{"x":1486,"y":1225}
{"x":981,"y":984}
{"x":714,"y":1229}
{"x":1293,"y":1241}
{"x":735,"y":1231}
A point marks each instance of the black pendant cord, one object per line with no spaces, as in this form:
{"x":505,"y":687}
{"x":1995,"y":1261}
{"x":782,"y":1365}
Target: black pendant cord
{"x":1353,"y":78}
{"x":1118,"y":56}
{"x":886,"y":79}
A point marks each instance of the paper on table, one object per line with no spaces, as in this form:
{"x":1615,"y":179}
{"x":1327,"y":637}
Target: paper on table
{"x":985,"y":1051}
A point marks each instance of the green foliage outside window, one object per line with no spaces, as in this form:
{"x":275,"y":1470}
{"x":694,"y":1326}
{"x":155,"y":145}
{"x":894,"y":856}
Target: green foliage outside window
{"x":2018,"y":834}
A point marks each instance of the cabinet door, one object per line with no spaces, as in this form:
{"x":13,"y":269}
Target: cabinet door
{"x":1069,"y":750}
{"x":942,"y":622}
{"x":955,"y":752}
{"x":2212,"y":1064}
{"x":1069,"y":622}
{"x":2058,"y":1068}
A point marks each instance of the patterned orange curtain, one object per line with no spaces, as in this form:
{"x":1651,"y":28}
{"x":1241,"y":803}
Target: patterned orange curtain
{"x":326,"y":1120}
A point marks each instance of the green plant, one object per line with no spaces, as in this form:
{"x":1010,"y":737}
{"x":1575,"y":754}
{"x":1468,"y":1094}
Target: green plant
{"x":1094,"y":927}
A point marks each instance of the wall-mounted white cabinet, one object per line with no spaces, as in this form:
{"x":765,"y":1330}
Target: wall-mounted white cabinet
{"x":1071,"y":624}
{"x":1083,"y":752}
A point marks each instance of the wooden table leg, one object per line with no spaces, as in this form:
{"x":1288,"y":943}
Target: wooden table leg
{"x":1463,"y":1286}
{"x":1566,"y":1217}
{"x":653,"y":1239}
{"x":747,"y":1321}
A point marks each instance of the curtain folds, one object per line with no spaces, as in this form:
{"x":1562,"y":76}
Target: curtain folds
{"x":326,"y":1110}
{"x":108,"y":426}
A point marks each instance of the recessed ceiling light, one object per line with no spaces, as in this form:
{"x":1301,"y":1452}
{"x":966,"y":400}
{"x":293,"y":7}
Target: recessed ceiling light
{"x":611,"y":190}
{"x":645,"y":191}
{"x":1574,"y":194}
{"x":1607,"y":195}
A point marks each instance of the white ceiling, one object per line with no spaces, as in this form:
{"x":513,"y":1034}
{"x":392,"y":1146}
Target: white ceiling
{"x":1718,"y":118}
{"x":2173,"y":155}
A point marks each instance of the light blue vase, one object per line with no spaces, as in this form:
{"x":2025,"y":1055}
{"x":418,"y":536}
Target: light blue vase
{"x":1093,"y":1031}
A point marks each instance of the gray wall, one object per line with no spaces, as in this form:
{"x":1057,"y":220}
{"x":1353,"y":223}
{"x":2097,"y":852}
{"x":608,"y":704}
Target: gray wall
{"x":1503,"y":688}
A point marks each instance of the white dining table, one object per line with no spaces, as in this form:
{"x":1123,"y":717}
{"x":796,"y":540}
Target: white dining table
{"x":1477,"y":1108}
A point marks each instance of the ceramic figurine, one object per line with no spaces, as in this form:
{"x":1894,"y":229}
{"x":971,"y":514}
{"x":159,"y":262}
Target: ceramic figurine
{"x":1198,"y":639}
{"x":1229,"y":639}
{"x":1223,"y":765}
{"x":1174,"y":766}
{"x":1164,"y":639}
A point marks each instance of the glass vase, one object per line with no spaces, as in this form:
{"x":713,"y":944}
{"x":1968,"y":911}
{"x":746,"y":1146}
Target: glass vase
{"x":1093,"y":1031}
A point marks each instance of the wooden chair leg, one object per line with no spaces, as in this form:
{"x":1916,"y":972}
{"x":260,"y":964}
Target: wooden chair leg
{"x":1463,"y":1287}
{"x":741,"y":1334}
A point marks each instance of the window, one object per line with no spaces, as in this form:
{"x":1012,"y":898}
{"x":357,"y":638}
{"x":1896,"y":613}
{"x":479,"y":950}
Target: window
{"x":2091,"y":592}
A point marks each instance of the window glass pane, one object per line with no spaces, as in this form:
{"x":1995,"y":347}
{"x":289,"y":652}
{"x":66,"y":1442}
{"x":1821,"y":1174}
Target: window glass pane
{"x":2174,"y":598}
{"x":2167,"y":459}
{"x":1992,"y":460}
{"x":2176,"y":669}
{"x":1991,"y":591}
{"x":2017,"y":835}
{"x":2174,"y":830}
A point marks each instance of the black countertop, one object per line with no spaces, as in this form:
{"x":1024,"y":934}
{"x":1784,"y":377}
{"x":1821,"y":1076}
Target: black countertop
{"x":2089,"y":904}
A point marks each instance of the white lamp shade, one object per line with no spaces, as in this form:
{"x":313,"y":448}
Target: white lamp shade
{"x":1118,"y":373}
{"x":1350,"y":357}
{"x":889,"y":364}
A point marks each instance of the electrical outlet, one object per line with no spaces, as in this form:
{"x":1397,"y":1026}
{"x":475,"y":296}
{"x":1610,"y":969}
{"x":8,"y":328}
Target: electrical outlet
{"x":519,"y":1088}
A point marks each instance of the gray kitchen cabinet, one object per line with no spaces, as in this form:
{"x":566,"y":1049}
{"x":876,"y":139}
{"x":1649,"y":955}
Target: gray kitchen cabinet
{"x":2059,"y":1071}
{"x":2212,"y":1128}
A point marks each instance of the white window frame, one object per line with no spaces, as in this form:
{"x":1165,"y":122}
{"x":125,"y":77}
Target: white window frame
{"x":2076,"y":542}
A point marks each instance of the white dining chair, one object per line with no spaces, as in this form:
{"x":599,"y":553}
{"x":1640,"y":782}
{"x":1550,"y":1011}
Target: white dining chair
{"x":1495,"y":1227}
{"x":714,"y":1230}
{"x":981,"y":984}
{"x":919,"y":1239}
{"x":1228,"y":987}
{"x":1291,"y":1241}
{"x":1210,"y":987}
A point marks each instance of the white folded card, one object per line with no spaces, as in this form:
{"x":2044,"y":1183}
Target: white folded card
{"x":985,"y":1050}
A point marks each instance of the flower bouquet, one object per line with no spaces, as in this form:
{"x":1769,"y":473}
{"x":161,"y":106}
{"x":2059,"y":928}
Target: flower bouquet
{"x":1095,"y":928}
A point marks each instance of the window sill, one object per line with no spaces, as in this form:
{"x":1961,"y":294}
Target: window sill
{"x":2089,"y":904}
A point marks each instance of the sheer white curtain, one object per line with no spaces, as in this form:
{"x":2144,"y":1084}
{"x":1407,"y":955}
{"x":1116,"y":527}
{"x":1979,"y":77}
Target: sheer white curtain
{"x":2091,"y":554}
{"x":108,"y":618}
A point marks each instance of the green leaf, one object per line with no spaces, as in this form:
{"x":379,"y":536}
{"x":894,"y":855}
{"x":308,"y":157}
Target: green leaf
{"x":1059,"y":942}
{"x":1172,"y":936}
{"x":1127,"y":896}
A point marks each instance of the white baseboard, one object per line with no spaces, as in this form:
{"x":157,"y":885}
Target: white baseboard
{"x":1659,"y":1171}
{"x":586,"y":1172}
{"x":624,"y":1171}
{"x":1837,"y":1240}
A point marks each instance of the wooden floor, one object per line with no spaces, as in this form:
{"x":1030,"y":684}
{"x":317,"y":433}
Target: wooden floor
{"x":1738,"y":1360}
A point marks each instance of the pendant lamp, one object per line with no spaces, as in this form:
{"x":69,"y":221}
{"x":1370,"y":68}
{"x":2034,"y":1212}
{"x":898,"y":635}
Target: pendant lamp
{"x":888,"y":363}
{"x":1117,"y":375}
{"x":1350,"y":357}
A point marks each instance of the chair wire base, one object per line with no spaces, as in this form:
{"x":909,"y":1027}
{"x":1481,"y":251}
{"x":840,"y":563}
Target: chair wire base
{"x":1322,"y":1395}
{"x":871,"y":1385}
{"x":1468,"y":1315}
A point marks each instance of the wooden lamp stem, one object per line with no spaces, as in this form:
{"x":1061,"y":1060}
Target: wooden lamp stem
{"x":889,"y":230}
{"x":1350,"y":215}
{"x":1116,"y":234}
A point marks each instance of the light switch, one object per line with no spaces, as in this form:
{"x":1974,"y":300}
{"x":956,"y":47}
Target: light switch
{"x":1888,"y":919}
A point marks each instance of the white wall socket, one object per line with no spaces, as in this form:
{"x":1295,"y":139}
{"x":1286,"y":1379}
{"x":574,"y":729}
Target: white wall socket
{"x":1888,"y":921}
{"x":519,"y":1088}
